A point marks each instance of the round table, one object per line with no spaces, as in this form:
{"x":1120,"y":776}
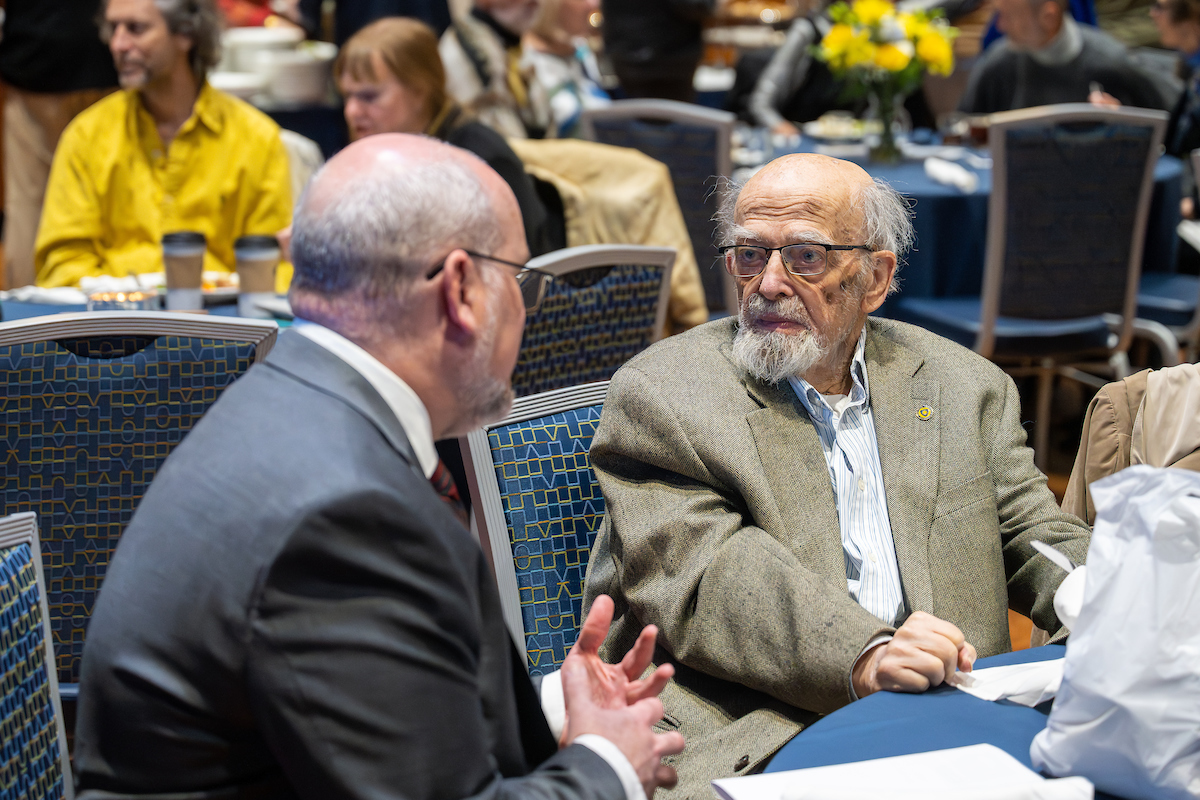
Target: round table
{"x":947,"y":259}
{"x":894,"y":724}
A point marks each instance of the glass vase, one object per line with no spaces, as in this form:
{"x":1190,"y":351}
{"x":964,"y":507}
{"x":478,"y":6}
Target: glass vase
{"x":884,"y":106}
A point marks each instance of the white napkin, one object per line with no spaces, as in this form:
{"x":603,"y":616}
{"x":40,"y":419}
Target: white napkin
{"x":1027,"y":684}
{"x":125,"y":283}
{"x":1051,"y":789}
{"x":57,"y":296}
{"x":974,"y":772}
{"x":948,"y":173}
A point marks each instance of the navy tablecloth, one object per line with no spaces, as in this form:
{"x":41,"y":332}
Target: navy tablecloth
{"x":947,"y":260}
{"x":893,"y":724}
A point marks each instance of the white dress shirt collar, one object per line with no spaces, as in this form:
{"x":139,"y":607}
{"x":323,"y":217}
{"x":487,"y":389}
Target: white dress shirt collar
{"x":1064,"y":48}
{"x":860,"y":389}
{"x":398,"y":395}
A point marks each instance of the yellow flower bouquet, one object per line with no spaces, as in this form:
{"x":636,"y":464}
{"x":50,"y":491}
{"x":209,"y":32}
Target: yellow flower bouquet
{"x":880,"y":52}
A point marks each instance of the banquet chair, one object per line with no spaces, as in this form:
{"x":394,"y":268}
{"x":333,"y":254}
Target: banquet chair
{"x":695,"y":144}
{"x":606,"y":304}
{"x":91,"y":405}
{"x":1171,"y":299}
{"x":538,"y":508}
{"x":1071,"y":189}
{"x":34,"y":763}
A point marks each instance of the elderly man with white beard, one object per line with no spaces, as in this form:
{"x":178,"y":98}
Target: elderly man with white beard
{"x":810,"y":504}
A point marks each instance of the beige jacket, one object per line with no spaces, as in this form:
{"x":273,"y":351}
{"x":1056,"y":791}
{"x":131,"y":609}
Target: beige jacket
{"x":614,"y":195}
{"x":1151,"y":417}
{"x":722,"y":529}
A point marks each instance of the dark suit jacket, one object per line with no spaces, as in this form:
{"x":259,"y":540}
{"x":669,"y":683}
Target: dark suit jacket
{"x":294,"y":612}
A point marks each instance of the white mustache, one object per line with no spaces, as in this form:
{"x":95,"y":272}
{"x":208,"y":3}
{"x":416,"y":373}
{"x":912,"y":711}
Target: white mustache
{"x":790,"y":308}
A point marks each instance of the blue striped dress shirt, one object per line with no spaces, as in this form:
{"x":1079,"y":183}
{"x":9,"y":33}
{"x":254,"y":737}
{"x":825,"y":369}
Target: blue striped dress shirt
{"x":847,"y":431}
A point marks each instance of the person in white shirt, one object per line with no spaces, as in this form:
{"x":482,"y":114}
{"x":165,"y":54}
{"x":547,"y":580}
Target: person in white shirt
{"x":295,"y":610}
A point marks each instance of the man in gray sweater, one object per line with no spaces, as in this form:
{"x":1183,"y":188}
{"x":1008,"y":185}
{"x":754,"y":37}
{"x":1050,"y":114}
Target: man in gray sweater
{"x":1046,"y":57}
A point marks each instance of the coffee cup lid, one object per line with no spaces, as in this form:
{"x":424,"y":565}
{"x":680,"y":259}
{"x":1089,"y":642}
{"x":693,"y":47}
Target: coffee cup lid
{"x":183,"y":238}
{"x":257,"y":242}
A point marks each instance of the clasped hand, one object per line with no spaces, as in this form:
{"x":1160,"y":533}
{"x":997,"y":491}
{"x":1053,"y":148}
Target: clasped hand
{"x":926,"y":651}
{"x":614,"y":701}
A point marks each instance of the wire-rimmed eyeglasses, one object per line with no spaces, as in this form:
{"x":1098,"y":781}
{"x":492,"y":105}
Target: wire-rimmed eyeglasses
{"x":531,"y":280}
{"x":804,"y":260}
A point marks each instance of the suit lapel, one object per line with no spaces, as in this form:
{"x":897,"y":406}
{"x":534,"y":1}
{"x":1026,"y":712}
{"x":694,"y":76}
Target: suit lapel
{"x":795,"y":469}
{"x":908,"y":430}
{"x":304,"y":360}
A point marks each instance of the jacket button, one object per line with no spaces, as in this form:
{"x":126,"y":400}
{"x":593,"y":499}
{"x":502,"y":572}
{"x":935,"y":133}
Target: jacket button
{"x":741,"y":764}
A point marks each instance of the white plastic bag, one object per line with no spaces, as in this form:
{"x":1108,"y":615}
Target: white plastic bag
{"x":1128,"y":714}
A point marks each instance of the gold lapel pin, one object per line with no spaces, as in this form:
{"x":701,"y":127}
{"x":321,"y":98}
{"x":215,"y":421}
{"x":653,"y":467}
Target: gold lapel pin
{"x":924,"y":412}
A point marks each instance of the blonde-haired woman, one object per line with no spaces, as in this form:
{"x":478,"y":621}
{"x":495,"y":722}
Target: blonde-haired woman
{"x":392,"y":79}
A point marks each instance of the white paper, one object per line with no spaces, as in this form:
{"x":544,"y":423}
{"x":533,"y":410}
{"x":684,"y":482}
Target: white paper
{"x":976,"y":772}
{"x":1027,"y":684}
{"x":1068,"y":599}
{"x":1058,"y":558}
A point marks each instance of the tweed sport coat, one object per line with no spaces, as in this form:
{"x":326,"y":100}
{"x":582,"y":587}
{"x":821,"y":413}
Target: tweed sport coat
{"x":722,"y":529}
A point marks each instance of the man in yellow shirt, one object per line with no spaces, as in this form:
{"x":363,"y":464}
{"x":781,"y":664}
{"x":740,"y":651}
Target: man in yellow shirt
{"x":169,"y":153}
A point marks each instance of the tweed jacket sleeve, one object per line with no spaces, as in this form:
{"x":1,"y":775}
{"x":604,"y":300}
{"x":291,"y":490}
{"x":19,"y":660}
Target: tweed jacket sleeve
{"x":722,"y":527}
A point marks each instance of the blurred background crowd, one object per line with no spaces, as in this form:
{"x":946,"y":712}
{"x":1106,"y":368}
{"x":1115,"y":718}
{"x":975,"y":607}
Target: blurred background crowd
{"x":480,"y":76}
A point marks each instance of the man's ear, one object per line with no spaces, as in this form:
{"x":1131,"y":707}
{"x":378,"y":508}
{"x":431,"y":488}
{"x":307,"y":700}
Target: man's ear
{"x":463,"y":295}
{"x":878,"y":279}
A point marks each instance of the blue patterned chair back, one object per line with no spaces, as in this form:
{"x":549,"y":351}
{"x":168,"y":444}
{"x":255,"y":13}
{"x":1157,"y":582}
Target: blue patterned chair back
{"x":541,"y":508}
{"x":87,"y":421}
{"x":33,"y":747}
{"x":1072,"y":200}
{"x":696,"y":155}
{"x":592,"y":321}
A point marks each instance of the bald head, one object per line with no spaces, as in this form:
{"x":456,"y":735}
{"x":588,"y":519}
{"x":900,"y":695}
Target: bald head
{"x":862,"y":210}
{"x":381,"y":213}
{"x":807,"y":185}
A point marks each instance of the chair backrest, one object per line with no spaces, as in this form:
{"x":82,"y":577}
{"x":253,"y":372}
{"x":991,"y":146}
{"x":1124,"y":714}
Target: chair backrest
{"x":304,"y":159}
{"x":608,"y":303}
{"x":1071,"y":188}
{"x":538,"y":506}
{"x":91,"y":404}
{"x":695,"y":144}
{"x":34,"y":764}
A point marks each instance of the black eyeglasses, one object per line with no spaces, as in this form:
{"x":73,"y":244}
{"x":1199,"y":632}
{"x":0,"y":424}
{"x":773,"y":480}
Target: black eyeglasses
{"x":531,"y":280}
{"x":803,"y":260}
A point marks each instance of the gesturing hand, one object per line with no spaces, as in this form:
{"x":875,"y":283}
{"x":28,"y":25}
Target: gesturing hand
{"x":924,"y":652}
{"x":614,"y":701}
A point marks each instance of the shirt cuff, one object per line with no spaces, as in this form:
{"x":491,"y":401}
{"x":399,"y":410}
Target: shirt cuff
{"x":554,"y":705}
{"x":617,"y":760}
{"x":886,"y":637}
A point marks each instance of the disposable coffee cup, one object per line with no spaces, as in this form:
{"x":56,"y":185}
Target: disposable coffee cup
{"x":257,"y":258}
{"x":183,"y":257}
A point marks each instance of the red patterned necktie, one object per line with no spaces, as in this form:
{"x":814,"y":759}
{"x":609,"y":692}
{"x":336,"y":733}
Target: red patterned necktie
{"x":443,"y":484}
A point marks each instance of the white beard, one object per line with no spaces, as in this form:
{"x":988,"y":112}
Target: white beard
{"x":775,"y":356}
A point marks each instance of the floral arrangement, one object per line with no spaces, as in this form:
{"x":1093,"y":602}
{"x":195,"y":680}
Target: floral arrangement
{"x":881,"y":52}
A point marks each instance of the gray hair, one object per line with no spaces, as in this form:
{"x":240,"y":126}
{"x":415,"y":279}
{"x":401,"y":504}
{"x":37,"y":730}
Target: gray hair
{"x":200,"y":21}
{"x":373,"y":237}
{"x":887,"y":216}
